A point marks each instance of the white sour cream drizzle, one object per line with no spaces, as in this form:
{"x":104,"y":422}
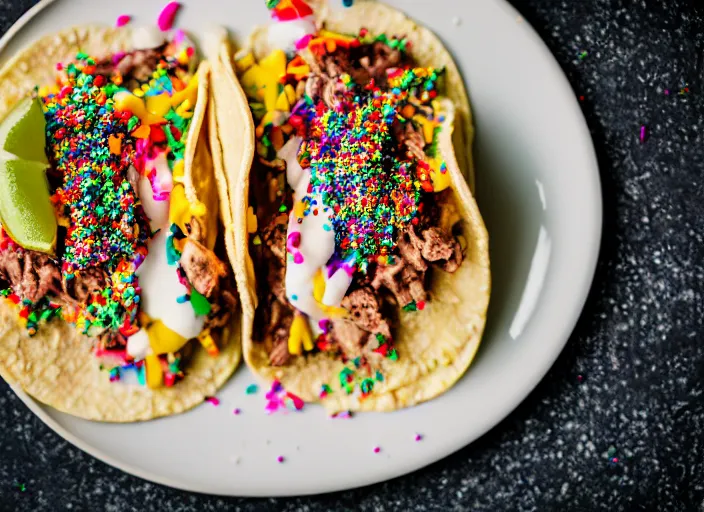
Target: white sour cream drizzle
{"x":158,"y":280}
{"x":311,"y":242}
{"x":286,"y":34}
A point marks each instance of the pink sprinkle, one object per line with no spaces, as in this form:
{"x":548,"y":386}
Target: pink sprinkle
{"x":302,"y":43}
{"x":167,"y":16}
{"x":179,"y":36}
{"x":212,"y":400}
{"x":237,"y":411}
{"x":418,"y":437}
{"x":123,"y":20}
{"x":377,"y":449}
{"x":667,"y":92}
{"x":298,"y":258}
{"x":280,"y":459}
{"x":642,"y":133}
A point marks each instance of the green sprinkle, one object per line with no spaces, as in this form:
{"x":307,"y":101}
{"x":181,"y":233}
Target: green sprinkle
{"x":200,"y":304}
{"x":132,"y":123}
{"x":410,"y":307}
{"x":251,"y":389}
{"x":366,"y":386}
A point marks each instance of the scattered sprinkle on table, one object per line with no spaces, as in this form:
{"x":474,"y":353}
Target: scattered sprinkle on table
{"x":642,"y":133}
{"x":167,"y":16}
{"x":237,"y":411}
{"x":251,"y":389}
{"x":418,"y":437}
{"x":280,"y":459}
{"x":377,"y":449}
{"x":212,"y":400}
{"x":123,"y":20}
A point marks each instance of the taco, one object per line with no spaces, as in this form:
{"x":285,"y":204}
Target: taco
{"x":366,"y":272}
{"x":118,"y":304}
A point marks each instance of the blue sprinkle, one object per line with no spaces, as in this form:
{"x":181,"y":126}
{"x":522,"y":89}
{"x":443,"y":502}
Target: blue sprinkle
{"x":347,"y":3}
{"x":251,"y":389}
{"x":326,"y":227}
{"x":294,"y":297}
{"x":182,"y":299}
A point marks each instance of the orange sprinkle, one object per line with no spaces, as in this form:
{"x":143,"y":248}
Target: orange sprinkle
{"x":115,"y":145}
{"x":178,"y":84}
{"x":142,"y":132}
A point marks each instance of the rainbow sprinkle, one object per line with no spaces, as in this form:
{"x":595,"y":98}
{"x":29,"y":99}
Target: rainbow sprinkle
{"x":373,"y":195}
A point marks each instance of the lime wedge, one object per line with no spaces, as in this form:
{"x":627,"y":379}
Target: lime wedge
{"x":22,"y":131}
{"x":26,"y":212}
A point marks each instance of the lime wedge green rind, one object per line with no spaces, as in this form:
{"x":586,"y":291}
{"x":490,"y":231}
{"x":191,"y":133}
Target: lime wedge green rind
{"x":22,"y":131}
{"x":26,"y":211}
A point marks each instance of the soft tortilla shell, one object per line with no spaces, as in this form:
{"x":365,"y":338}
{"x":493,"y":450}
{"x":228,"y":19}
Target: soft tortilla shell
{"x":436,"y":345}
{"x":232,"y":145}
{"x":57,"y":366}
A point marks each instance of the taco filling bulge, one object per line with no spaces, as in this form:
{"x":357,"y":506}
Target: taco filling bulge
{"x":116,"y":231}
{"x":359,"y":224}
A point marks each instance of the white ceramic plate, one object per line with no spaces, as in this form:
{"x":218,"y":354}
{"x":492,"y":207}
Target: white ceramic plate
{"x":539,"y":191}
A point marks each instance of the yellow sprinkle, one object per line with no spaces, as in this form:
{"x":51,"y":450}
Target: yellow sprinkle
{"x":298,"y":209}
{"x":178,"y":170}
{"x":335,"y":36}
{"x":208,"y":343}
{"x":145,"y":87}
{"x":179,"y":208}
{"x":139,"y":93}
{"x":198,"y":209}
{"x":244,"y":62}
{"x":162,"y":339}
{"x":318,"y":286}
{"x":439,"y":179}
{"x":282,"y":104}
{"x":290,"y":94}
{"x":126,"y":102}
{"x":299,"y":335}
{"x":159,"y":105}
{"x":184,"y":109}
{"x":252,"y":223}
{"x":155,"y":375}
{"x":190,"y":93}
{"x":428,"y":127}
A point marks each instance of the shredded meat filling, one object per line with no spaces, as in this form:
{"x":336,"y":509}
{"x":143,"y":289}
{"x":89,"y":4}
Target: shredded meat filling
{"x":203,"y":269}
{"x":135,"y":66}
{"x":31,"y":275}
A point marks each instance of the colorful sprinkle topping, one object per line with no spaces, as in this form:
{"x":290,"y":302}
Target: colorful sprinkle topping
{"x":372,"y":193}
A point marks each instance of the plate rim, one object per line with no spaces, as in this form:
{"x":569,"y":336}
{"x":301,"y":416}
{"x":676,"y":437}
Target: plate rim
{"x":546,"y":364}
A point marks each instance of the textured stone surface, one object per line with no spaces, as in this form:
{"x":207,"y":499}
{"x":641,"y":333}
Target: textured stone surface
{"x":632,"y":376}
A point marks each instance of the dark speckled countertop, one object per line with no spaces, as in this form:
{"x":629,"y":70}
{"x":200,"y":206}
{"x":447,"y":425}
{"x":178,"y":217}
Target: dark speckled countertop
{"x":618,"y":422}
